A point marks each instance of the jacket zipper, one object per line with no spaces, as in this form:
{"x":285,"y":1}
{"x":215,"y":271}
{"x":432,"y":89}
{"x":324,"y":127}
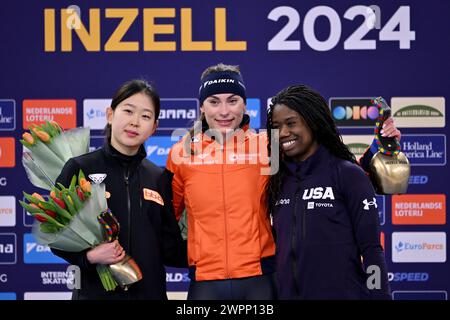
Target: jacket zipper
{"x":294,"y":245}
{"x":127,"y":186}
{"x":225,"y":220}
{"x":303,"y":214}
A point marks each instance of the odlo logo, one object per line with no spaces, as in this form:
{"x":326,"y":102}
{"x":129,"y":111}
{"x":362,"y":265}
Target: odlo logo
{"x":318,"y":193}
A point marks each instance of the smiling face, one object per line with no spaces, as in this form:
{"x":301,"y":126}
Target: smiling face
{"x":223,"y":111}
{"x":296,"y":138}
{"x":132,"y":122}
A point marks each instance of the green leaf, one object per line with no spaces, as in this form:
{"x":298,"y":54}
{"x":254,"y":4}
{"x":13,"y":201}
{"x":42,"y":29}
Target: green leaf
{"x":46,"y":127}
{"x":81,"y":175}
{"x":48,"y":228}
{"x":76,"y":201}
{"x":49,"y":219}
{"x":61,"y":186}
{"x":29,"y":208}
{"x":30,"y":198}
{"x":62,"y":212}
{"x":73,"y":183}
{"x":26,"y":144}
{"x":69,"y":205}
{"x":47,"y":206}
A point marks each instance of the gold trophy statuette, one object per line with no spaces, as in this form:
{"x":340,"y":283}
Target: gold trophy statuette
{"x":126,"y":272}
{"x":389,"y":167}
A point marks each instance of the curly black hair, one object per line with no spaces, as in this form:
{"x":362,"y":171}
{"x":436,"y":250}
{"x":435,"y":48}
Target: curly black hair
{"x":313,"y":108}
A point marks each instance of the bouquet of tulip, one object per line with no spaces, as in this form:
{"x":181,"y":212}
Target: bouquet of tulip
{"x":75,"y":218}
{"x":48,"y":148}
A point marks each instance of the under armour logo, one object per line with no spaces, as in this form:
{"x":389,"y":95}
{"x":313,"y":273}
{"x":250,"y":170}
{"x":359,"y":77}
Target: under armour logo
{"x":367,"y":203}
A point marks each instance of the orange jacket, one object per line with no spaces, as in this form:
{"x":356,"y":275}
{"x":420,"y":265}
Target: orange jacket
{"x":223,"y":191}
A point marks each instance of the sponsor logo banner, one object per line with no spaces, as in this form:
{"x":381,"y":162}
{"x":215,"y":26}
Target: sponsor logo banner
{"x":425,"y":150}
{"x":7,"y":152}
{"x":7,"y":114}
{"x":420,"y":112}
{"x":8,"y":248}
{"x":35,"y":253}
{"x":419,"y":247}
{"x":419,"y":209}
{"x":357,"y":144}
{"x":38,"y":111}
{"x":94,"y":113}
{"x":47,"y":295}
{"x":408,"y":276}
{"x":254,"y":111}
{"x":8,"y":296}
{"x":178,"y":113}
{"x":419,"y":295}
{"x":7,"y":211}
{"x":57,"y":278}
{"x":381,"y":209}
{"x":177,"y":280}
{"x":353,"y":112}
{"x":418,"y":179}
{"x":96,"y":142}
{"x":157,"y":148}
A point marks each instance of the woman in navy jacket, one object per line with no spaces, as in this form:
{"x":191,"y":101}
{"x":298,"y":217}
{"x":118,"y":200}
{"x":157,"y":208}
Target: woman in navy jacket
{"x":324,"y":207}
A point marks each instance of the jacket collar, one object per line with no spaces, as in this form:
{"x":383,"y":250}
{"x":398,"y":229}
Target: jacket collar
{"x":111,"y":152}
{"x":304,"y":169}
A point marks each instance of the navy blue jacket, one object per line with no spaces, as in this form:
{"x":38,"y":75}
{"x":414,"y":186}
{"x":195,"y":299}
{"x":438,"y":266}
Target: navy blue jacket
{"x":325,"y":220}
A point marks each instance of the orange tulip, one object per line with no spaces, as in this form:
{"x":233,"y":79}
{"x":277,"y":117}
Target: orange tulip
{"x":38,"y":196}
{"x":55,"y":125}
{"x":85,"y":185}
{"x":28,"y":138}
{"x":42,"y":135}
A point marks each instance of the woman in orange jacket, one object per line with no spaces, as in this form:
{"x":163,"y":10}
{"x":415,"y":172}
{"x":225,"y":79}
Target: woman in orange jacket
{"x":217,"y":179}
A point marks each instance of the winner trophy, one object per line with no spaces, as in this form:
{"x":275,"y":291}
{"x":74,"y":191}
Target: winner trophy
{"x":389,"y":167}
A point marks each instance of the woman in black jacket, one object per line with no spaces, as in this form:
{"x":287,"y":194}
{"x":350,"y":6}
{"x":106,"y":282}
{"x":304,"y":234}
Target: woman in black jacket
{"x":139,"y":195}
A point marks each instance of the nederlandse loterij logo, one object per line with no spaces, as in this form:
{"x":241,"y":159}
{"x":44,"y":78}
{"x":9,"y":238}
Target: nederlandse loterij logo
{"x":37,"y":111}
{"x":419,"y":209}
{"x":420,"y":112}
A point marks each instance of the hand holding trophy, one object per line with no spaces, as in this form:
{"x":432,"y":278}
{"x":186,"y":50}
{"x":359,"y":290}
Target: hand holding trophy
{"x":389,"y":167}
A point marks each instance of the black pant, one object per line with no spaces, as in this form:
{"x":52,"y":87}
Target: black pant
{"x":251,"y":288}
